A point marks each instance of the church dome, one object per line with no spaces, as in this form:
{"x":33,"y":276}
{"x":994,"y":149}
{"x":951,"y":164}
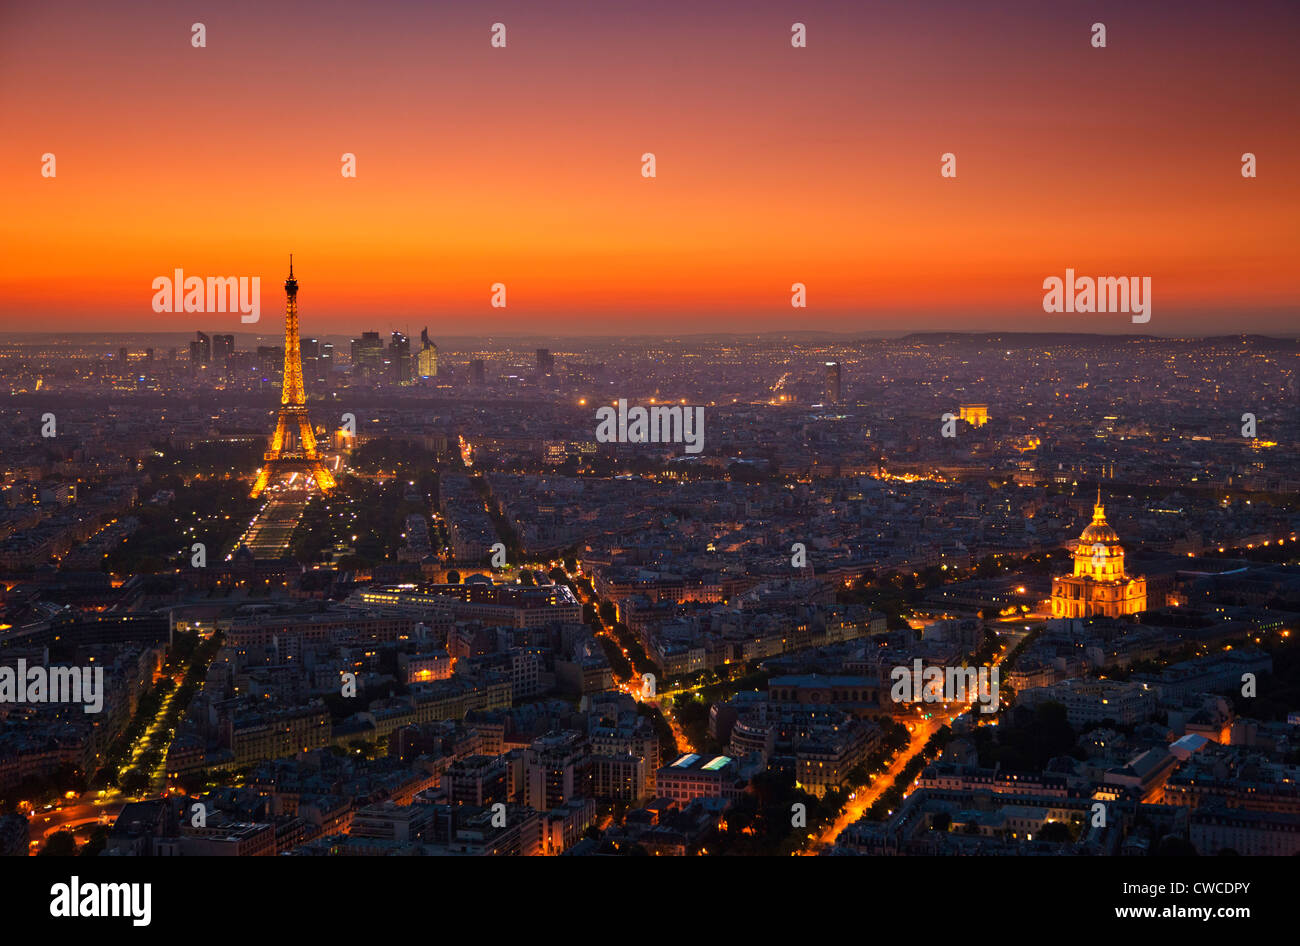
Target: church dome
{"x":1098,"y":532}
{"x":1099,"y":585}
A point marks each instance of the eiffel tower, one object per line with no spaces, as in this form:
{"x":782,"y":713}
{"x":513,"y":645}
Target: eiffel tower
{"x":286,"y":455}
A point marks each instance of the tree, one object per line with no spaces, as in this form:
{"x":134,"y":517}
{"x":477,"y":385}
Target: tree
{"x":1055,"y":832}
{"x":98,"y":841}
{"x":135,"y":782}
{"x":60,"y":844}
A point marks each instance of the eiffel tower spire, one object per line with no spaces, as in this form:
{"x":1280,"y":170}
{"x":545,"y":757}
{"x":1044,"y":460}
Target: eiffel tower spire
{"x":284,"y":455}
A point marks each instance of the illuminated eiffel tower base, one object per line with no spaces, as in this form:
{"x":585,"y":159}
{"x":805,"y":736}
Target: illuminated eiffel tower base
{"x":293,"y":446}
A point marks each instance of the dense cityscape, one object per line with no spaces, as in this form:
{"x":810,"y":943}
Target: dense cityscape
{"x":611,"y":430}
{"x":943,"y":593}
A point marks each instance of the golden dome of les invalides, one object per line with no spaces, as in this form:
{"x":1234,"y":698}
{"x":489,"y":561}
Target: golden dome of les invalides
{"x":1099,"y":585}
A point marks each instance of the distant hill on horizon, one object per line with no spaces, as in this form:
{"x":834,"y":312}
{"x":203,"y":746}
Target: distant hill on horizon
{"x":1042,"y":339}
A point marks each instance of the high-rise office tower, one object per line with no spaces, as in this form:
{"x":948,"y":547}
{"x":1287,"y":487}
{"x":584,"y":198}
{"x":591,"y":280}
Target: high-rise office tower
{"x":834,"y":392}
{"x":545,"y":361}
{"x":310,"y":348}
{"x":477,"y":375}
{"x":399,"y":357}
{"x":223,"y":347}
{"x":200,"y":352}
{"x":367,"y":355}
{"x":427,"y":360}
{"x":270,"y":362}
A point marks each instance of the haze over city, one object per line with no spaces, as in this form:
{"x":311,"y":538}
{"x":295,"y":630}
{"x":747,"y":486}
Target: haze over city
{"x":590,"y":430}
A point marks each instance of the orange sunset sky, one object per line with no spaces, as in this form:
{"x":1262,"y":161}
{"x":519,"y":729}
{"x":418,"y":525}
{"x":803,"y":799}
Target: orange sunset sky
{"x":775,"y":165}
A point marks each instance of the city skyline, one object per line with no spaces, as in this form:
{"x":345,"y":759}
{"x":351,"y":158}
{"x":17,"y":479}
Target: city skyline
{"x":1094,"y":529}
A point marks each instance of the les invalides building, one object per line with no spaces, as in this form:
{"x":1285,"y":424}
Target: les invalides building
{"x":1099,"y":585}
